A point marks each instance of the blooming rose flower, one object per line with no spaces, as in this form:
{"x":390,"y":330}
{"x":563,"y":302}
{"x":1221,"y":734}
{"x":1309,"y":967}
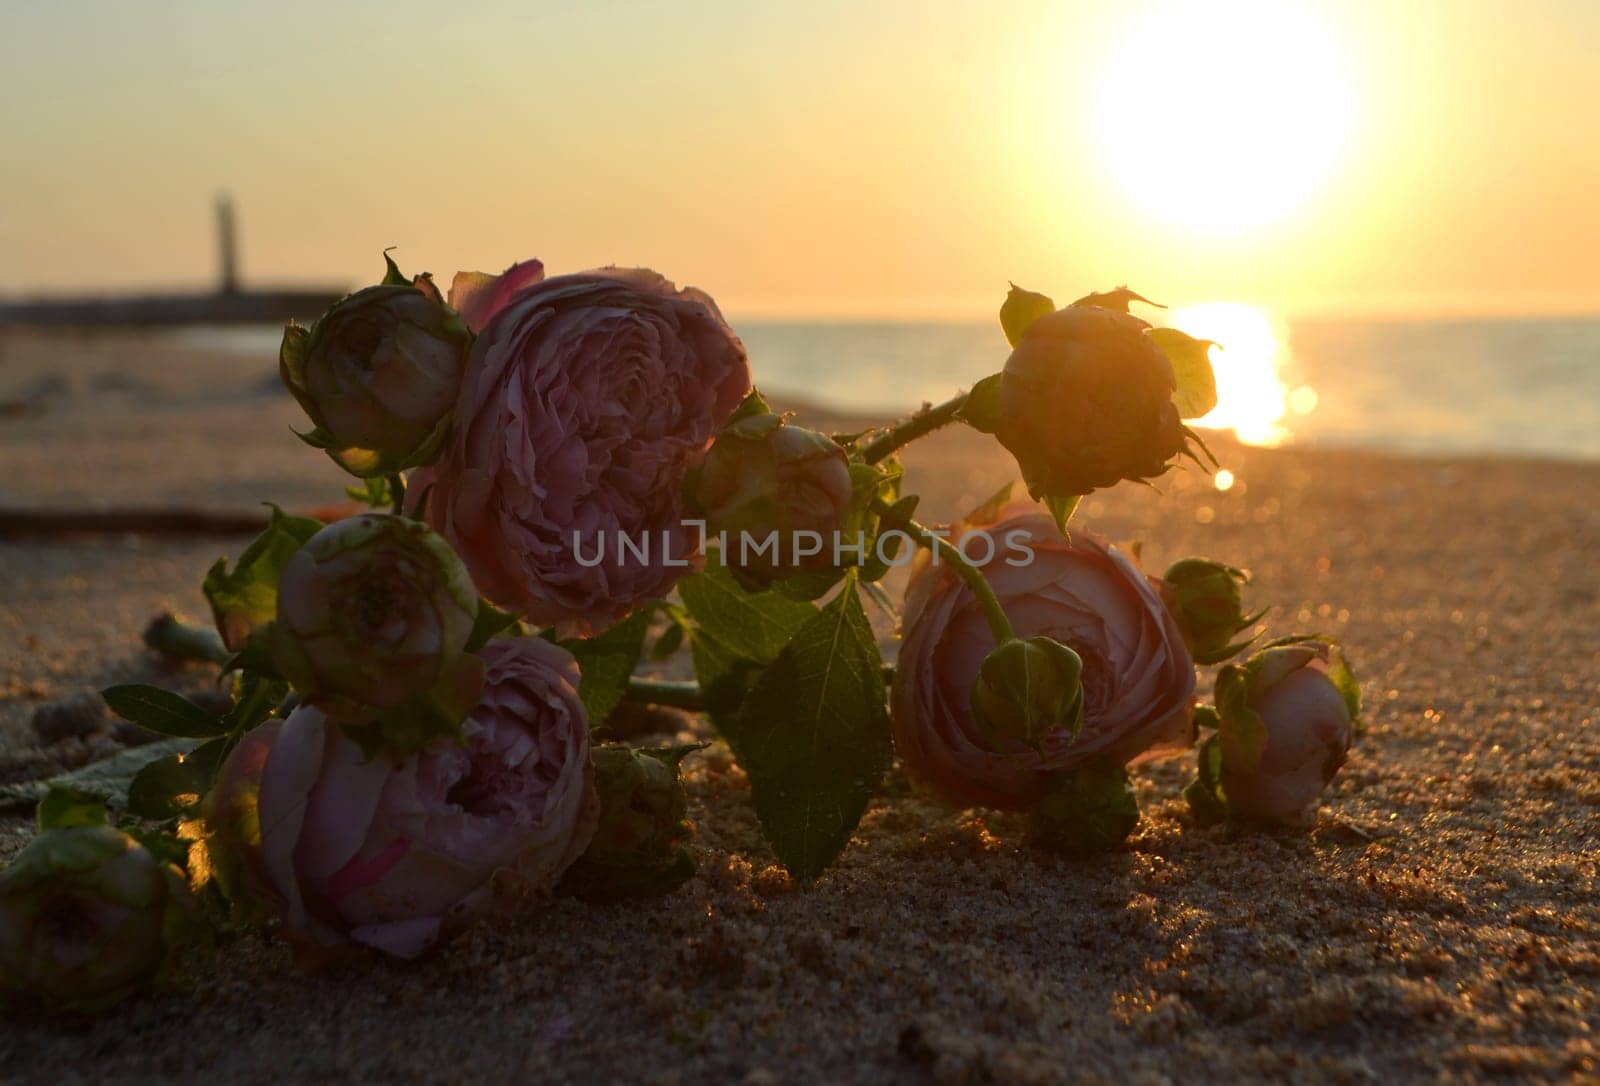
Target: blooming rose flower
{"x":88,"y":917}
{"x":374,"y":608}
{"x":1138,"y":680}
{"x":1286,"y":717}
{"x":1086,"y":400}
{"x":379,"y":374}
{"x":587,"y":399}
{"x":763,"y":475}
{"x":393,"y":851}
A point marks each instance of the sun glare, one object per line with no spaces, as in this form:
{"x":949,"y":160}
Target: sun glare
{"x":1226,"y":115}
{"x":1252,"y":398}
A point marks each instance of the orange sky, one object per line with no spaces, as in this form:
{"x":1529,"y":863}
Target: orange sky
{"x":888,"y":159}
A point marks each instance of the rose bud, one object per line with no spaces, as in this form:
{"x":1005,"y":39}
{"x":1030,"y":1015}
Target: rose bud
{"x":1138,"y":680}
{"x":587,"y":400}
{"x":1086,"y":400}
{"x":1285,"y":719}
{"x":638,"y":848}
{"x":763,"y":476}
{"x":1204,"y":598}
{"x":379,"y":374}
{"x":394,"y":851}
{"x":374,"y":609}
{"x":1027,"y":689}
{"x":88,"y":917}
{"x":1087,"y":811}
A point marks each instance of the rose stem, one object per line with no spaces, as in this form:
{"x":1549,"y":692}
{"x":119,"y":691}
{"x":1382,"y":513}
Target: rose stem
{"x":687,"y":695}
{"x":397,"y":493}
{"x":170,"y":636}
{"x":999,"y":624}
{"x":926,"y":421}
{"x":676,"y":695}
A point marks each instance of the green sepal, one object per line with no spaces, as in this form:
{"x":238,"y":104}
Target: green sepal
{"x":438,"y":711}
{"x":1020,"y":309}
{"x":1191,"y":366}
{"x":392,"y":275}
{"x":373,"y":491}
{"x":1204,"y":794}
{"x":1118,"y":299}
{"x":1061,"y":509}
{"x":245,"y":599}
{"x":490,"y":623}
{"x":1205,"y":716}
{"x":163,"y":711}
{"x":752,"y":407}
{"x":598,"y":883}
{"x":1085,"y":812}
{"x":64,"y":806}
{"x":981,"y":409}
{"x":1246,"y":731}
{"x":292,"y":364}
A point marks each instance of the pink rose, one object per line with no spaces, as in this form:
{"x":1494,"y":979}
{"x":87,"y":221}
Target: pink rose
{"x":391,"y":852}
{"x":587,"y":399}
{"x":1286,"y":719}
{"x":1138,"y":680}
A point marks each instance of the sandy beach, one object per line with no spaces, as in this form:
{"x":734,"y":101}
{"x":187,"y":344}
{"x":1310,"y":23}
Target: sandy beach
{"x":1440,"y":922}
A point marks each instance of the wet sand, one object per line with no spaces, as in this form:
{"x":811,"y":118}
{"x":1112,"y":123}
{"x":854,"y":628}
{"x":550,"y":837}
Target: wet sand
{"x":1441,"y":920}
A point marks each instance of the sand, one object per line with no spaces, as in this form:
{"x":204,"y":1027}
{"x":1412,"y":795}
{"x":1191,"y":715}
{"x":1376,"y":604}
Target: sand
{"x":1441,"y":920}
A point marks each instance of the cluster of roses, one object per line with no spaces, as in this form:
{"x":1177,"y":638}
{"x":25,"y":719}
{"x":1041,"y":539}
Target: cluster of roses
{"x":415,"y":690}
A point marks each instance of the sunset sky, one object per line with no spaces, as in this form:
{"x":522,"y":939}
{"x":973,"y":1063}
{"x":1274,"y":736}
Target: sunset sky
{"x":817,"y":158}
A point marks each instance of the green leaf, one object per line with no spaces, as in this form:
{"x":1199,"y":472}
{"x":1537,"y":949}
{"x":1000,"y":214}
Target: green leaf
{"x":724,"y":677}
{"x":490,"y":623}
{"x":981,"y":409}
{"x":607,"y":661}
{"x":756,"y":625}
{"x":64,"y":806}
{"x":107,"y":779}
{"x":1118,"y":299}
{"x":1020,"y":309}
{"x":175,"y":784}
{"x":813,"y":736}
{"x":246,"y":598}
{"x":162,"y":711}
{"x":1191,"y":365}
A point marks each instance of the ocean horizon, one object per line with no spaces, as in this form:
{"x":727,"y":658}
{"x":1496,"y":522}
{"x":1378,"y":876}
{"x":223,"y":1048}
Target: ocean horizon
{"x":1525,"y":387}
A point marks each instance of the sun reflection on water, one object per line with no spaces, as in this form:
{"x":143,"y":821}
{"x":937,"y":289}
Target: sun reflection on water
{"x":1252,"y":399}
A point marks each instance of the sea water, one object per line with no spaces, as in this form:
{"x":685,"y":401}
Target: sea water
{"x":1526,"y":387}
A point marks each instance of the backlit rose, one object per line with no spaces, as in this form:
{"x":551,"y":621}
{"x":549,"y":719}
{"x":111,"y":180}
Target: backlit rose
{"x":88,"y":917}
{"x":379,"y":373}
{"x":586,"y":401}
{"x":392,"y":852}
{"x":765,"y":476}
{"x":1138,"y":680}
{"x":1086,"y":400}
{"x":1286,"y":717}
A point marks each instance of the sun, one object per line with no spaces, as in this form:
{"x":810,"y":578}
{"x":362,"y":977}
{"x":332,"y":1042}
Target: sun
{"x":1225,"y":115}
